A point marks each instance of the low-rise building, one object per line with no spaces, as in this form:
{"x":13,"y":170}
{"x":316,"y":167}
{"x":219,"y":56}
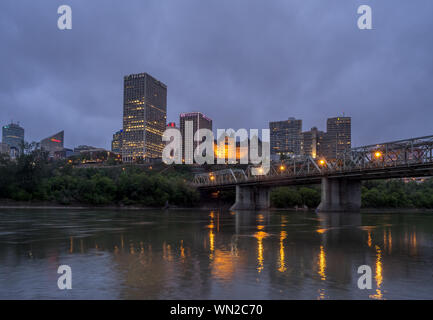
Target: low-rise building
{"x":117,"y":142}
{"x":53,"y":144}
{"x":312,"y":142}
{"x":4,"y":148}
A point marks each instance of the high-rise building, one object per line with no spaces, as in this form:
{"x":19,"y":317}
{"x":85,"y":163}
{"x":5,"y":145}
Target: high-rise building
{"x":144,"y":117}
{"x":286,"y":137}
{"x":13,"y":135}
{"x":53,"y":143}
{"x":199,"y":121}
{"x":116,"y":143}
{"x":311,"y":143}
{"x":338,"y":137}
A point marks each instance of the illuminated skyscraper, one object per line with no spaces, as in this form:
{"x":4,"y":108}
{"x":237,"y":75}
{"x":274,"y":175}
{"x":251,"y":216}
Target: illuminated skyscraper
{"x":199,"y":121}
{"x":144,"y":117}
{"x":286,"y":137}
{"x":13,"y":135}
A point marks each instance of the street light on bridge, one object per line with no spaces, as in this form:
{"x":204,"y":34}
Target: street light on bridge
{"x":378,"y":154}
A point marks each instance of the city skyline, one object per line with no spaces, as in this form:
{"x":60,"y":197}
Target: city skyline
{"x":256,"y":73}
{"x":216,"y":158}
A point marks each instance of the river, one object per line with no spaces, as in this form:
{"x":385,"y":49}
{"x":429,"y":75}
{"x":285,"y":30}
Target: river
{"x":196,"y":254}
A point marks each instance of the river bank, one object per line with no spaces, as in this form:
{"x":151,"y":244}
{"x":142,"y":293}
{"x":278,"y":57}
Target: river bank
{"x":225,"y":207}
{"x":10,"y":204}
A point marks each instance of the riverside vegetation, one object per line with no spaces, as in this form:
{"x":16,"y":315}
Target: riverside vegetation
{"x":33,"y":177}
{"x":374,"y":194}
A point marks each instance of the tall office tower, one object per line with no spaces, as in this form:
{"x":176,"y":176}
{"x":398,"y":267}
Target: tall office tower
{"x":338,"y":137}
{"x":311,"y":143}
{"x":144,"y":117}
{"x":54,"y":143}
{"x":13,"y":135}
{"x":199,"y":121}
{"x":286,"y":137}
{"x":116,"y":143}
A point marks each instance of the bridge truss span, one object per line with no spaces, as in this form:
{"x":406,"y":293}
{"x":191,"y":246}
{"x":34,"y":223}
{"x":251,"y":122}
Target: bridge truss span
{"x":403,"y":158}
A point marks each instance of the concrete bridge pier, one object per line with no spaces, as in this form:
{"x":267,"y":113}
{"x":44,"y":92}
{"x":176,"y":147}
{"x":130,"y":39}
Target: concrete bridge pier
{"x":340,"y":195}
{"x":252,"y":198}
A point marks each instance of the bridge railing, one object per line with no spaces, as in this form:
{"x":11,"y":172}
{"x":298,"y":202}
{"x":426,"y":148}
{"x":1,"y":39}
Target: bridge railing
{"x":298,"y":166}
{"x":227,"y":176}
{"x":386,"y":155}
{"x":391,"y":154}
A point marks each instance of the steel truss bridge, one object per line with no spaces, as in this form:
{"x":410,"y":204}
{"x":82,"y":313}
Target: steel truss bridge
{"x":397,"y":159}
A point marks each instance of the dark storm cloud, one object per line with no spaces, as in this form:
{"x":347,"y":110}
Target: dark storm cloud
{"x":243,"y":63}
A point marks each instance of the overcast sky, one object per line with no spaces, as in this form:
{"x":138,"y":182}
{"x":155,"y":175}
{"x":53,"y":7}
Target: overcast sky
{"x":241,"y":62}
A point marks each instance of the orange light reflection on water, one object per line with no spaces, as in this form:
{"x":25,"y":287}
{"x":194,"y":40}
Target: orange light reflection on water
{"x":378,"y":277}
{"x":282,"y":267}
{"x":321,"y":261}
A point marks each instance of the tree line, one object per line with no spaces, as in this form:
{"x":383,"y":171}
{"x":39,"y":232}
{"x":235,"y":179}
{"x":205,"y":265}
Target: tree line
{"x":34,"y":177}
{"x":394,"y":193}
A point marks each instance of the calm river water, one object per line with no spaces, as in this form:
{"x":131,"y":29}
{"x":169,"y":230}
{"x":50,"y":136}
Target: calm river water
{"x":214,"y":255}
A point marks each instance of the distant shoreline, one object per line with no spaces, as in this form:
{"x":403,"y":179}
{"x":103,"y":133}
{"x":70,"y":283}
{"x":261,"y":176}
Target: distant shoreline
{"x":52,"y":206}
{"x":4,"y":204}
{"x":47,"y":205}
